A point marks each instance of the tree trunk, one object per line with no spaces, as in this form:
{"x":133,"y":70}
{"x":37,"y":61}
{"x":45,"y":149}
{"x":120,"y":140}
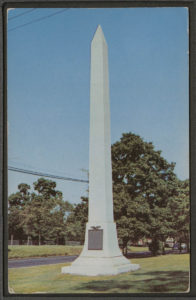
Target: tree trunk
{"x":39,"y":239}
{"x":125,"y":248}
{"x":28,"y":238}
{"x":163,"y":248}
{"x":12,"y":239}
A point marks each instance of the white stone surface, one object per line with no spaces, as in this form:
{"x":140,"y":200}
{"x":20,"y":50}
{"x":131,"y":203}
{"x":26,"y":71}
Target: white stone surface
{"x":89,"y":266}
{"x":110,"y":260}
{"x":100,"y":170}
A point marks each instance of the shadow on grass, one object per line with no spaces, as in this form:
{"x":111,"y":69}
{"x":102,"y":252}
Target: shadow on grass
{"x":139,"y":254}
{"x":166,"y":281}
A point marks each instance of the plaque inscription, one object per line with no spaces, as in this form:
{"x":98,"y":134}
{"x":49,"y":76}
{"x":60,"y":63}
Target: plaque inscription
{"x":95,"y":239}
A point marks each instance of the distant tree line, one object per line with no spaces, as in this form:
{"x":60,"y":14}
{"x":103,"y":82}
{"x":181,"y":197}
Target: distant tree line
{"x":39,"y":215}
{"x":149,"y":202}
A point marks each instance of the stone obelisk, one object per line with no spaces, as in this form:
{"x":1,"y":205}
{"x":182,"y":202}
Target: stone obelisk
{"x":101,"y":254}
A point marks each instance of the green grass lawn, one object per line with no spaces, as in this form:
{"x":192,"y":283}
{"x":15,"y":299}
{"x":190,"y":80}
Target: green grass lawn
{"x":137,"y":249}
{"x":167,"y":273}
{"x":40,"y":251}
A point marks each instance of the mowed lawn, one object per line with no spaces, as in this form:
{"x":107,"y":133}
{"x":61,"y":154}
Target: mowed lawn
{"x":51,"y":250}
{"x":42,"y":251}
{"x":167,"y":273}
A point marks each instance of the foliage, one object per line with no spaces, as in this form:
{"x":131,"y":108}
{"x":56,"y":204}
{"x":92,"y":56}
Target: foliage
{"x":180,"y":207}
{"x":16,"y":205}
{"x":76,"y":221}
{"x":41,"y":215}
{"x":144,"y":184}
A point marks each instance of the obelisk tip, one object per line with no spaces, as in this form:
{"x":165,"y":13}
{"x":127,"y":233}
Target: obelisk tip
{"x":99,"y":33}
{"x":99,"y":29}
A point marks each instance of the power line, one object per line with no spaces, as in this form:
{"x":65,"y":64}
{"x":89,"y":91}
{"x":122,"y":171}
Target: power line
{"x":21,"y":14}
{"x":37,"y":20}
{"x":45,"y":174}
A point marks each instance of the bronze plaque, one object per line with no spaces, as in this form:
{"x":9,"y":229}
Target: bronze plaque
{"x":95,"y":239}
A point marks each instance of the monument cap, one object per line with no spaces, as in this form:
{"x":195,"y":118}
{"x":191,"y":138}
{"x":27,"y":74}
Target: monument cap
{"x":98,"y":34}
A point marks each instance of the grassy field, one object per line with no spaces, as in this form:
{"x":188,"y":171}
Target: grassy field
{"x":167,"y":273}
{"x":41,"y":251}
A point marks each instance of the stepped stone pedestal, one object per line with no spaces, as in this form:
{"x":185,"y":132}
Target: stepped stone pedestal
{"x":101,"y":254}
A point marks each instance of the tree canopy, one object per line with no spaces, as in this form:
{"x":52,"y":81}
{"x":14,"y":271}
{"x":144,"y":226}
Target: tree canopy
{"x":39,"y":215}
{"x":144,"y":185}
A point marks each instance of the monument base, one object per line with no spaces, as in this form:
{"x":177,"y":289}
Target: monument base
{"x":91,"y":266}
{"x":108,"y":261}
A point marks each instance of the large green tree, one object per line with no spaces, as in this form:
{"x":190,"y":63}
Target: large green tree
{"x":16,"y":204}
{"x":48,"y":209}
{"x":40,"y":215}
{"x":144,"y":184}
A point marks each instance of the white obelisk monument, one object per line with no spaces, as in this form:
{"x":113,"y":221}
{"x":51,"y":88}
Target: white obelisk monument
{"x":101,"y":254}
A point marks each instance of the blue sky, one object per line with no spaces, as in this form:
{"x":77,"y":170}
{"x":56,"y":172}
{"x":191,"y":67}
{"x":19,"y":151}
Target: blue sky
{"x":49,"y":82}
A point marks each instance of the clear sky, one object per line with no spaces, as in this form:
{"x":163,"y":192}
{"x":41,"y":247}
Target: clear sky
{"x":49,"y":82}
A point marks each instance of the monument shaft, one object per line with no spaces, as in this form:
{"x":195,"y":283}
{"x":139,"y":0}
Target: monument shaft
{"x":100,"y":170}
{"x":101,"y":254}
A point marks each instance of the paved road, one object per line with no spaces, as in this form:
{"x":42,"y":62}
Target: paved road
{"x":38,"y":261}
